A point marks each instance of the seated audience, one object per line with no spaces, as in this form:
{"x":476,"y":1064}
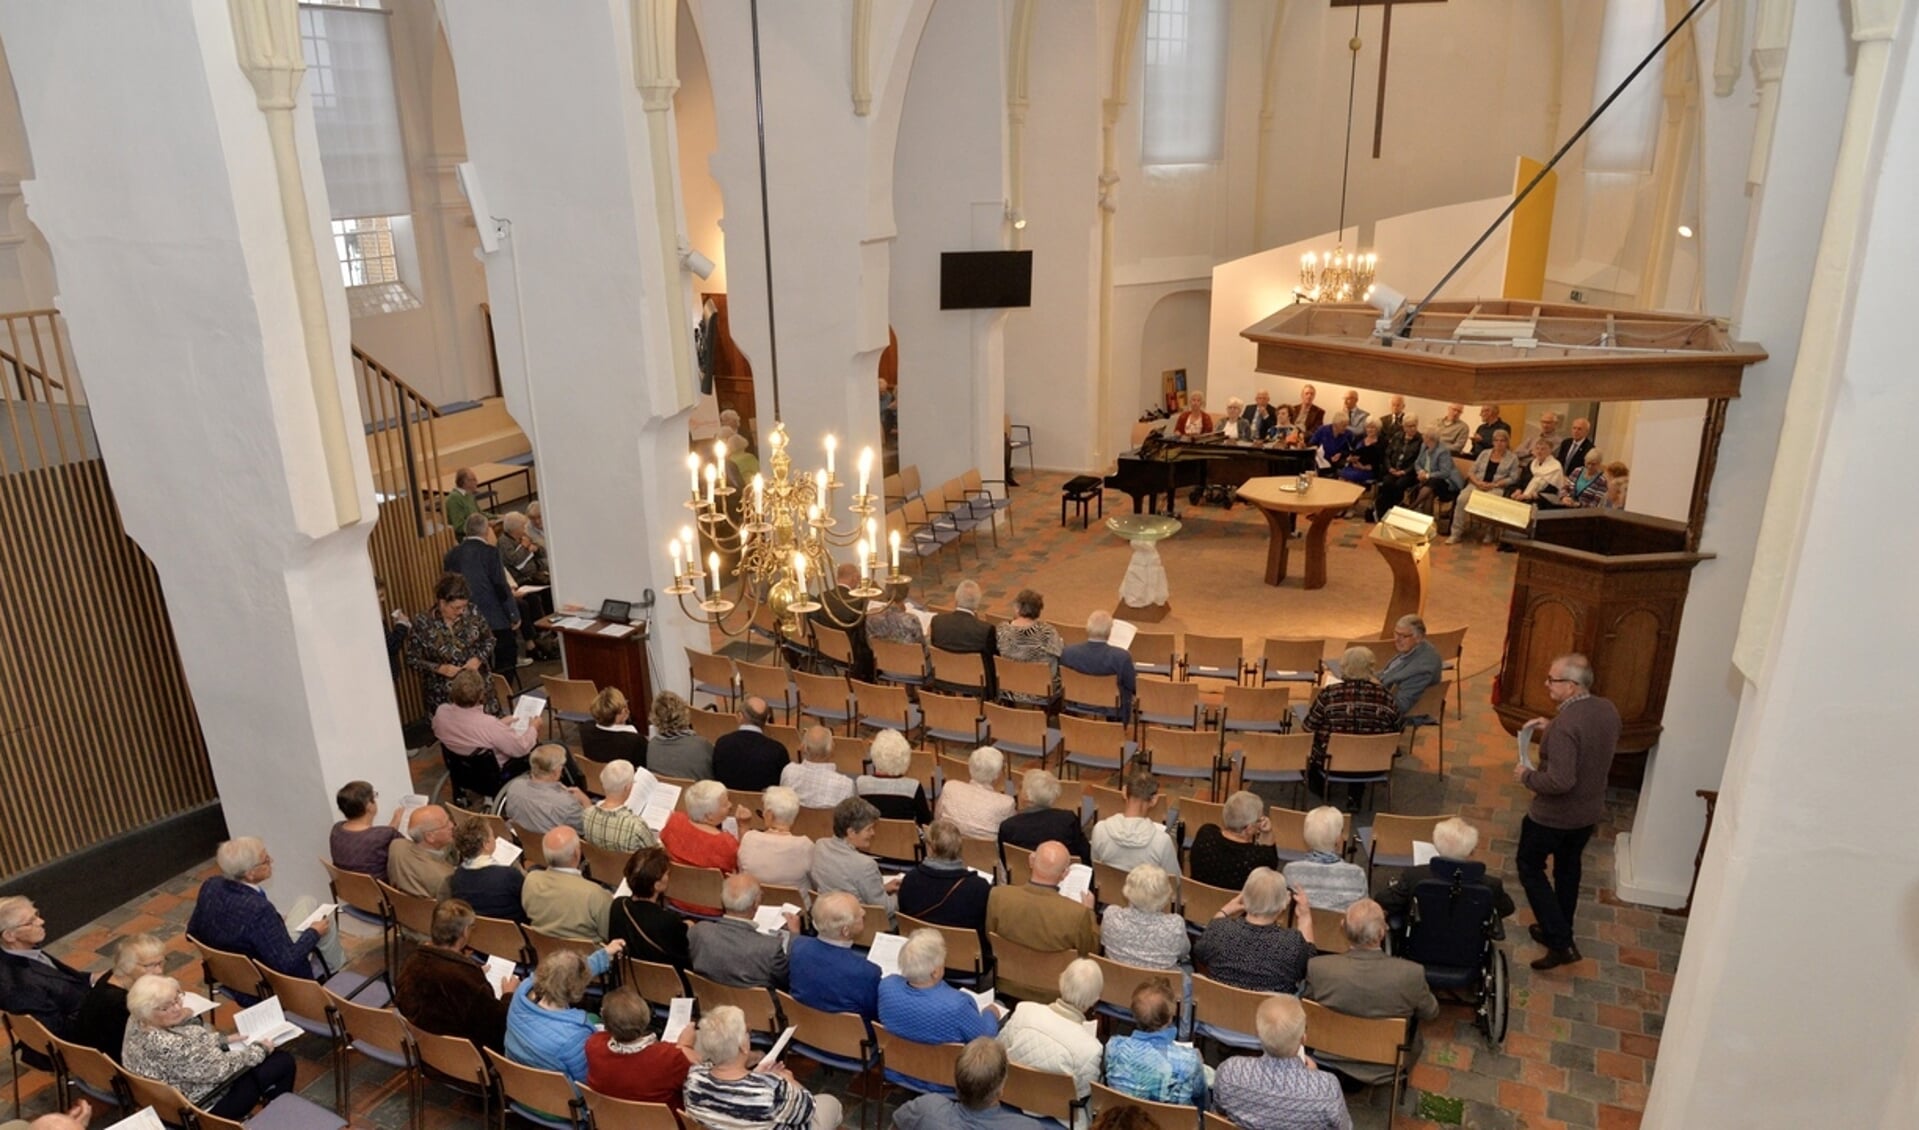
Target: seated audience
{"x":613,"y":736}
{"x":961,"y":630}
{"x":102,"y":1020}
{"x":774,"y":854}
{"x":464,"y":727}
{"x":893,"y":622}
{"x":545,"y":1025}
{"x":1246,"y":947}
{"x":418,"y":864}
{"x":695,"y":836}
{"x":1357,"y":704}
{"x":841,"y":863}
{"x":1323,"y":877}
{"x":490,"y":887}
{"x":1365,"y":982}
{"x":232,"y":913}
{"x":1223,"y":854}
{"x":1145,"y":931}
{"x":356,"y":844}
{"x":724,"y":1092}
{"x":977,"y":806}
{"x":1454,"y":839}
{"x":1586,"y":486}
{"x":674,"y":749}
{"x":559,"y":900}
{"x":1095,"y":656}
{"x":1545,"y":480}
{"x":627,"y":1061}
{"x":1495,"y":470}
{"x":887,"y":787}
{"x":980,"y":1075}
{"x":942,"y":889}
{"x":1152,"y":1063}
{"x":651,"y":930}
{"x":612,"y":825}
{"x":1415,"y":665}
{"x":1026,"y":638}
{"x":747,"y":759}
{"x":1038,"y":821}
{"x":1035,"y":916}
{"x":1398,"y":472}
{"x":826,"y":971}
{"x":443,"y":990}
{"x":1616,"y":482}
{"x":538,"y":801}
{"x":1367,"y":457}
{"x":814,"y":776}
{"x":33,"y":981}
{"x":1053,"y":1037}
{"x":1132,"y":837}
{"x":1282,"y":1089}
{"x":1195,"y":420}
{"x":166,"y":1043}
{"x":1333,"y":441}
{"x":917,"y":1004}
{"x":1436,"y":474}
{"x":731,"y":950}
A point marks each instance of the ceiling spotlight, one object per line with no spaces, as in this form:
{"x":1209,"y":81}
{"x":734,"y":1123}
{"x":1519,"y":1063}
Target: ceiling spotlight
{"x":699,"y":264}
{"x":1685,"y":231}
{"x":1017,"y":218}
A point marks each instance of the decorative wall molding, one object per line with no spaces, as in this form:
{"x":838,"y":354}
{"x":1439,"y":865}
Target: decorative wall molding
{"x":862,"y":57}
{"x":656,"y":74}
{"x":1729,"y":47}
{"x":1125,"y":35}
{"x":1019,"y":49}
{"x":1770,"y":36}
{"x":1268,"y":111}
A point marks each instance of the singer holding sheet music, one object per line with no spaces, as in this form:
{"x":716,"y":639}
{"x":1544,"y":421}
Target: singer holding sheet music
{"x":166,"y":1042}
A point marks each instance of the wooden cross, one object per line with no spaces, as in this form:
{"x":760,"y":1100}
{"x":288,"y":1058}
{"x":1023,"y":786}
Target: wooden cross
{"x":1385,"y":47}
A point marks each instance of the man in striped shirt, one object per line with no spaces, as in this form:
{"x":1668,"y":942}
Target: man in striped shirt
{"x":1283,"y":1089}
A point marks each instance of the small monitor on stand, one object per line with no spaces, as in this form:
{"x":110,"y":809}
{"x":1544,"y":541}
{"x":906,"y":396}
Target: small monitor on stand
{"x":618,"y":611}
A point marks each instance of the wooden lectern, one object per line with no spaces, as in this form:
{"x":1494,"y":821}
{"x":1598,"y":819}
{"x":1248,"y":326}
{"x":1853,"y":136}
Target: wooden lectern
{"x":1404,"y":537}
{"x":607,"y":660}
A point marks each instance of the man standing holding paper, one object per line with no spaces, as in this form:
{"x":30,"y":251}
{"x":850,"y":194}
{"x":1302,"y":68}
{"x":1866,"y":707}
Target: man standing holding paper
{"x":1569,"y":798}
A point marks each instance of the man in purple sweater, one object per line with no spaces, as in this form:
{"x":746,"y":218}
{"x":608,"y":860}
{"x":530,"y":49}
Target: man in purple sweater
{"x":1569,"y":798}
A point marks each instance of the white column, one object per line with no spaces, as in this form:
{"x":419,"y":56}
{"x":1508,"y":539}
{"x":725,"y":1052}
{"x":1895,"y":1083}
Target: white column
{"x":1655,"y":860}
{"x":557,"y":132}
{"x":1796,"y":990}
{"x":155,"y":184}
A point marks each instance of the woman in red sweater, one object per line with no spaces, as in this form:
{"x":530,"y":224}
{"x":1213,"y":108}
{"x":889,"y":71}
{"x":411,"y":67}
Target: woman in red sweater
{"x":696,"y":835}
{"x":627,"y":1062}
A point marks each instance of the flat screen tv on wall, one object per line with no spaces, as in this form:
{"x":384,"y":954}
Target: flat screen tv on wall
{"x":985,"y":280}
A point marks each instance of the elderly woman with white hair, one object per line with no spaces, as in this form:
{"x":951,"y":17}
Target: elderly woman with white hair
{"x":977,"y":806}
{"x":887,"y":787}
{"x":1146,"y":932}
{"x":917,"y":1004}
{"x":695,"y":834}
{"x":1246,"y":946}
{"x":1053,"y":1037}
{"x":1323,"y":877}
{"x":1455,"y":840}
{"x":166,"y":1043}
{"x":1223,"y":854}
{"x":775,"y":854}
{"x":725,"y":1092}
{"x":102,"y":1019}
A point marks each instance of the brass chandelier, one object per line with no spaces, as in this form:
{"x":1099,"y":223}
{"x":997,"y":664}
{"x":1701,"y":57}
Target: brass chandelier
{"x":1334,"y":276}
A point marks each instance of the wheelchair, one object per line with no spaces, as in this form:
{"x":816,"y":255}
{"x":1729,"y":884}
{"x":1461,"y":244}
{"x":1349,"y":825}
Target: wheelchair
{"x":1453,"y":929}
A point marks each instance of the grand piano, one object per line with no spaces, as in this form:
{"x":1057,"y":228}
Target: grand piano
{"x":1168,"y":466}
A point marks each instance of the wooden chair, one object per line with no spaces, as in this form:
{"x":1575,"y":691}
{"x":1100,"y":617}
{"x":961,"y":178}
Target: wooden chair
{"x":1212,"y":1121}
{"x":530,"y":1090}
{"x":1291,"y":660}
{"x":1093,"y":744}
{"x":788,"y":736}
{"x":1118,"y":980}
{"x":1161,"y":702}
{"x":1025,"y":683}
{"x":1224,"y":1013}
{"x":175,"y":1109}
{"x":834,"y":645}
{"x":1382,"y":650}
{"x":1199,"y":902}
{"x":849,"y":754}
{"x":496,"y":824}
{"x":1109,"y":883}
{"x":696,"y":886}
{"x":532,"y":845}
{"x":1386,"y":1041}
{"x":966,"y":959}
{"x":872,"y":924}
{"x":378,"y":1034}
{"x":713,"y":675}
{"x":1072,"y":794}
{"x":1155,"y":653}
{"x":1026,"y":973}
{"x":1070,"y":634}
{"x":1329,"y":930}
{"x":982,"y":855}
{"x":657,"y":982}
{"x":1048,"y":1094}
{"x":87,"y":1070}
{"x":412,"y":914}
{"x":1019,"y":864}
{"x":545,"y":945}
{"x":769,"y":682}
{"x":230,"y":974}
{"x":605,"y":866}
{"x":455,"y":1060}
{"x":1362,"y":759}
{"x":1092,"y":696}
{"x":1274,"y":759}
{"x":569,"y":700}
{"x":921,"y":538}
{"x":928,"y":1063}
{"x":359,"y":895}
{"x":1429,"y":710}
{"x":1389,"y":842}
{"x":1187,"y":755}
{"x":901,"y":663}
{"x":960,"y":671}
{"x":499,"y":937}
{"x":1266,"y":710}
{"x":1213,"y":657}
{"x":951,"y":718}
{"x":1106,"y":802}
{"x":924,"y":768}
{"x":762,"y":1017}
{"x":773,"y":894}
{"x":502,"y":690}
{"x":309,"y":1006}
{"x":25,"y":1033}
{"x":1194,"y":814}
{"x":896,"y":841}
{"x":826,"y":699}
{"x":981,"y":499}
{"x":1019,"y":732}
{"x":590,"y":771}
{"x":1289,"y":833}
{"x":609,"y":1113}
{"x":813,"y":823}
{"x":1168,"y":1116}
{"x":1451,"y":646}
{"x":711,"y":725}
{"x":878,"y":706}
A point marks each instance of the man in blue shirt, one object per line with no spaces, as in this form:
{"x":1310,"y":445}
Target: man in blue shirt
{"x":1097,"y":657}
{"x":826,"y":972}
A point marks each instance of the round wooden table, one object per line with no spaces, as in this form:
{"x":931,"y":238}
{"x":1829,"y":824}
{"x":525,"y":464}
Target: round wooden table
{"x":1282,"y":502}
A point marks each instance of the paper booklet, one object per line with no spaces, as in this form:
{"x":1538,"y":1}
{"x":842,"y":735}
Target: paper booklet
{"x":624,"y":891}
{"x":265,"y":1023}
{"x":530,"y":706}
{"x":658,"y":805}
{"x":505,"y":852}
{"x":616,"y":630}
{"x":197,"y":1003}
{"x":409,"y":804}
{"x":1123,"y":633}
{"x":324,"y":910}
{"x":1079,"y":880}
{"x":1526,"y":733}
{"x":649,"y":790}
{"x":885,"y":953}
{"x":142,"y":1119}
{"x":1423,"y":853}
{"x":498,"y":969}
{"x":772,"y":919}
{"x":983,"y":999}
{"x":778,"y":1049}
{"x":678,"y":1015}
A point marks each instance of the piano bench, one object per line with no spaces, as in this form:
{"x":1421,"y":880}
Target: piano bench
{"x":1079,"y":491}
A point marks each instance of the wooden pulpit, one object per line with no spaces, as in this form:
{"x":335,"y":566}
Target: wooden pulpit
{"x":1404,"y":538}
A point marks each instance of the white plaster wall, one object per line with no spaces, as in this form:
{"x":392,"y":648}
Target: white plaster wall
{"x":693,"y":117}
{"x":1818,"y":786}
{"x":1051,"y":348}
{"x":155,"y":186}
{"x":949,"y":194}
{"x":1173,"y":336}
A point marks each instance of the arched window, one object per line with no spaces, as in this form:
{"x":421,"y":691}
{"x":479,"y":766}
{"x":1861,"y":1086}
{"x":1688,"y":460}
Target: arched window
{"x":1624,"y":138}
{"x":1182,"y":117}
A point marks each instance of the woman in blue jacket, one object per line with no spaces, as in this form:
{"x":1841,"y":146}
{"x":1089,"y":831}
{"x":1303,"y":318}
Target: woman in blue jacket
{"x":545,"y":1027}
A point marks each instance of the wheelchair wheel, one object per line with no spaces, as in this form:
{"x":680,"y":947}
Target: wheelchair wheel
{"x":1492,"y":1000}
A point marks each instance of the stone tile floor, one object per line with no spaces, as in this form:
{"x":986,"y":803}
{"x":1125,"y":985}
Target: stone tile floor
{"x":1582,"y":1040}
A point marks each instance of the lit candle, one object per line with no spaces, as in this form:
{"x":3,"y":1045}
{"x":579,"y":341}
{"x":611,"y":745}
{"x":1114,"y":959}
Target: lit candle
{"x":866,"y":467}
{"x":719,"y":451}
{"x":713,"y":563}
{"x":819,"y":485}
{"x":692,"y":547}
{"x":893,"y":536}
{"x":712,"y":474}
{"x":864,"y":568}
{"x":812,"y":514}
{"x":831,"y":444}
{"x":693,"y":472}
{"x":673,"y":553}
{"x":759,"y":492}
{"x":873,"y":534}
{"x":799,"y":572}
